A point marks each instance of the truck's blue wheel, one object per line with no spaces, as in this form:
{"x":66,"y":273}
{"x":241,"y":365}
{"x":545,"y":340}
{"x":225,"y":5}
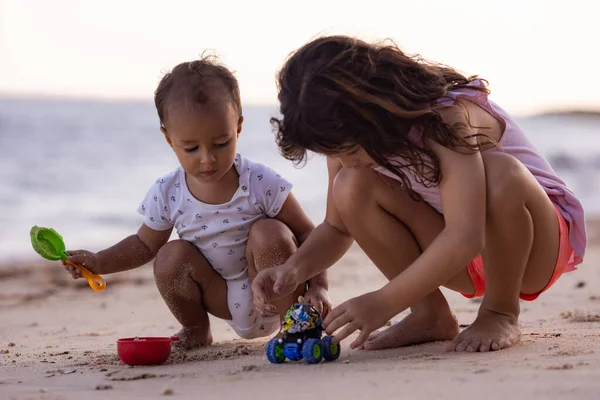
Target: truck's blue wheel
{"x":275,"y":351}
{"x":331,"y":351}
{"x":312,"y":351}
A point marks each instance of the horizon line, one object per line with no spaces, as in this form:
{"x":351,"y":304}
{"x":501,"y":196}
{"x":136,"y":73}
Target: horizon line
{"x":539,"y":111}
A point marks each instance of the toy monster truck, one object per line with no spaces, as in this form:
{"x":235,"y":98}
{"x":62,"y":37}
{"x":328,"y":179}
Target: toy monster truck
{"x":301,"y":337}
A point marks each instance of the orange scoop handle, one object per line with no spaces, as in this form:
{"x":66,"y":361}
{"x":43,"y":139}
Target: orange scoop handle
{"x":95,"y":281}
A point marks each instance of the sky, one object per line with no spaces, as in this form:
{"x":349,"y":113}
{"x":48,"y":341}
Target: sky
{"x":537,"y":55}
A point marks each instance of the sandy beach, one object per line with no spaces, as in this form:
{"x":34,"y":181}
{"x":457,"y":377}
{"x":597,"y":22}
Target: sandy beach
{"x":58,"y":341}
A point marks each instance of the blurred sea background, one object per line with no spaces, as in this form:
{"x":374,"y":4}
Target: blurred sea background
{"x":83,"y":166}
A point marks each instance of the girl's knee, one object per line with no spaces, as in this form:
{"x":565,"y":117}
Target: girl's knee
{"x":506,"y":180}
{"x":351,"y":188}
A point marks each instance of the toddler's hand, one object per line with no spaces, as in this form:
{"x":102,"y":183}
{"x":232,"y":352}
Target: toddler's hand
{"x":319,"y":298}
{"x":86,"y":258}
{"x":272,"y":284}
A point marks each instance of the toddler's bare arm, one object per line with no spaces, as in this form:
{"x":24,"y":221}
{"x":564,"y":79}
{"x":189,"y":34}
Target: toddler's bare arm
{"x":131,"y":252}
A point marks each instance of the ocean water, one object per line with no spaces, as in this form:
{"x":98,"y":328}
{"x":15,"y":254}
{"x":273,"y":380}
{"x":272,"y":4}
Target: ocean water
{"x":83,"y":167}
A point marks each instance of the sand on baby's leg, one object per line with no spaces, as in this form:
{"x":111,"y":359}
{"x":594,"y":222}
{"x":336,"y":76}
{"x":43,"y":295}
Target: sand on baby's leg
{"x":192,"y":289}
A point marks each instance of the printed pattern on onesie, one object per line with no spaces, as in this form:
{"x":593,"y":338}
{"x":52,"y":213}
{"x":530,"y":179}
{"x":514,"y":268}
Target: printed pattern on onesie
{"x":220,"y":231}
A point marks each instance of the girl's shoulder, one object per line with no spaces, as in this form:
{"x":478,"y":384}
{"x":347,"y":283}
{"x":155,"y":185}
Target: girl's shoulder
{"x":472,"y":114}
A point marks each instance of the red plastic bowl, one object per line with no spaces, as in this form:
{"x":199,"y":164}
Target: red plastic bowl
{"x":145,"y":350}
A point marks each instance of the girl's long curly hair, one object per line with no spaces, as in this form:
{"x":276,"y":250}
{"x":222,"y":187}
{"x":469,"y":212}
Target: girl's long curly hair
{"x":337,"y":92}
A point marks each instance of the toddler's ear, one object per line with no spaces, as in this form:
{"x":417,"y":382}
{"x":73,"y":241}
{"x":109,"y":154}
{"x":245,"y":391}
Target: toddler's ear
{"x":239,"y":127}
{"x":167,"y":138}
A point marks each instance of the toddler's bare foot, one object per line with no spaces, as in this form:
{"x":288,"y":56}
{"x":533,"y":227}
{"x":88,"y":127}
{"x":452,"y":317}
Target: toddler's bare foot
{"x":417,"y":327}
{"x":490,"y":331}
{"x":194,"y":336}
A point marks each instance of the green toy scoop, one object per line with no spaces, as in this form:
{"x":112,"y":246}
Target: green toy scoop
{"x":49,"y":244}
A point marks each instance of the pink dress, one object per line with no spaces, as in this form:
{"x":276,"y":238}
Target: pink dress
{"x":515,"y":143}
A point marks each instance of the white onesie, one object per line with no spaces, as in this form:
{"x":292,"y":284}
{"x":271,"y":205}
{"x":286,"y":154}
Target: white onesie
{"x":220,"y":231}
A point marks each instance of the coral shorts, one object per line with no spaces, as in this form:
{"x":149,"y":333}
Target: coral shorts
{"x":564,"y":263}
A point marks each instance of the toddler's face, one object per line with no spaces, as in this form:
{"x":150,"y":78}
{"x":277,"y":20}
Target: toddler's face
{"x":204,"y":137}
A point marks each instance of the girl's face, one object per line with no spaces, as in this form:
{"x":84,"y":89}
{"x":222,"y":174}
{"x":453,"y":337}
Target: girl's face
{"x":356,"y":158}
{"x":204,"y":137}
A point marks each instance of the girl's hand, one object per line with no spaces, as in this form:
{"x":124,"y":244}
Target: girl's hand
{"x":89,"y":260}
{"x":317,"y":296}
{"x":271,"y":284}
{"x":365,"y":313}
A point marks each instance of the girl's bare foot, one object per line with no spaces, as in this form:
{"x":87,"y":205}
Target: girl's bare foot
{"x":194,"y":336}
{"x":490,"y":331}
{"x":417,"y":327}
